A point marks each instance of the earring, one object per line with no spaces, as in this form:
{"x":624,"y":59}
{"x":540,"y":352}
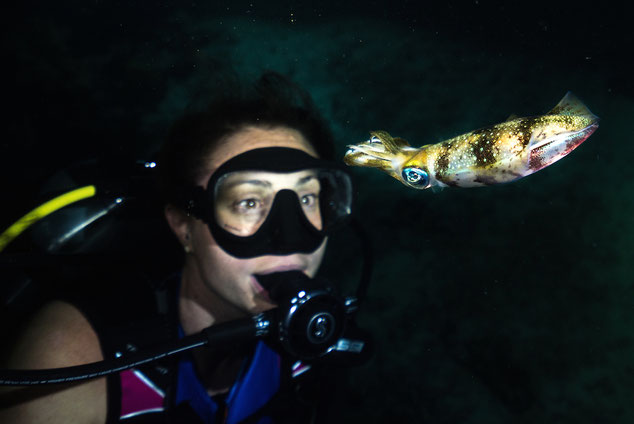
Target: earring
{"x":186,"y":246}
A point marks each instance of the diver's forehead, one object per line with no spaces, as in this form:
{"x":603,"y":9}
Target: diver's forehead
{"x":251,"y":138}
{"x":267,"y":179}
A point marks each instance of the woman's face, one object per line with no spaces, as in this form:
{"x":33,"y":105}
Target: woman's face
{"x":228,"y":283}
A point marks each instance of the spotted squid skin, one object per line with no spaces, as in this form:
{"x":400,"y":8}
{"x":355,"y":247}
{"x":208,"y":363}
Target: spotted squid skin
{"x":492,"y":155}
{"x":497,"y":154}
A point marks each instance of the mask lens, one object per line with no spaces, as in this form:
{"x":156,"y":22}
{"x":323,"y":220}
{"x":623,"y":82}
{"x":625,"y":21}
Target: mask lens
{"x":244,"y":199}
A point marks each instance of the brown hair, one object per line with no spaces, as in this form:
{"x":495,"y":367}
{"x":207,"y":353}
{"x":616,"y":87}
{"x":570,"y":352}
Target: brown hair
{"x":272,"y":101}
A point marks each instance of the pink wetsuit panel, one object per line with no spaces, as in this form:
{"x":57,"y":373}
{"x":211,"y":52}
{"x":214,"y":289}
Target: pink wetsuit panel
{"x":139,"y":395}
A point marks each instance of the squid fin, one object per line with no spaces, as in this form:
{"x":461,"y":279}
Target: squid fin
{"x":511,"y":117}
{"x":570,"y":105}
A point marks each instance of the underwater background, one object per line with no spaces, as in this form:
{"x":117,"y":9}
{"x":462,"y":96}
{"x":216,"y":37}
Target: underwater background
{"x":511,"y":303}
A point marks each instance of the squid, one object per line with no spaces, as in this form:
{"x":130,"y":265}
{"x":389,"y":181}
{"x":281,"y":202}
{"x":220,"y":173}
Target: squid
{"x":491,"y":155}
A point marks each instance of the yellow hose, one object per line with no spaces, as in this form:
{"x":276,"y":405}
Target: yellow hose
{"x":43,"y":210}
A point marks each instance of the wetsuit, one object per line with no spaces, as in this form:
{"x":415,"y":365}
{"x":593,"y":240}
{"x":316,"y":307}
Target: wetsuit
{"x":270,"y":388}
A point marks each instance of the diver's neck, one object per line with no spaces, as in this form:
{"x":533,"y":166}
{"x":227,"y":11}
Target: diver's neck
{"x":198,"y":306}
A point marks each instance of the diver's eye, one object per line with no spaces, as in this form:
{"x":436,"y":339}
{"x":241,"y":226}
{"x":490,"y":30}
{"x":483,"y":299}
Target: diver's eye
{"x":247,"y":205}
{"x":416,"y":177}
{"x":309,"y":200}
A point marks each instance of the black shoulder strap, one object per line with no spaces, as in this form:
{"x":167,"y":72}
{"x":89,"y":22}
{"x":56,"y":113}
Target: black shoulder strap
{"x":131,"y":314}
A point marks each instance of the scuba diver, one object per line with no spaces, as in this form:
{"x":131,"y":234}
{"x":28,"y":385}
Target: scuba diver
{"x":252,"y":195}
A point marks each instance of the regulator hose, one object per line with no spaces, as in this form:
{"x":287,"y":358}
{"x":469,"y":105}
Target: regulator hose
{"x":234,"y":331}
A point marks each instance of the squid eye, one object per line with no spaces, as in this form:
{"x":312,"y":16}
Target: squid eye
{"x":416,"y":177}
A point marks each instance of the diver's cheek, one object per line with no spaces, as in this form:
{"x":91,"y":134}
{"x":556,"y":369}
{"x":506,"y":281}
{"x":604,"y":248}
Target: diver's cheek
{"x":315,"y":258}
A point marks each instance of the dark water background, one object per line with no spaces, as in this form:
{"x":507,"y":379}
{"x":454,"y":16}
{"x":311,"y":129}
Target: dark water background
{"x":503,"y":304}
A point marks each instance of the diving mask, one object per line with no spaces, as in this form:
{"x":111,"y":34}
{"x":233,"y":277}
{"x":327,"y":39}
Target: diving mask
{"x":273,"y":201}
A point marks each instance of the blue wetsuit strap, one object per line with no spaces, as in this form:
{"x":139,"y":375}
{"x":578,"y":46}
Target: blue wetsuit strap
{"x":255,"y":386}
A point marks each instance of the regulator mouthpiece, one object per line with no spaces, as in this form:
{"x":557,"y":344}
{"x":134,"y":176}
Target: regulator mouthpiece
{"x":311,"y":317}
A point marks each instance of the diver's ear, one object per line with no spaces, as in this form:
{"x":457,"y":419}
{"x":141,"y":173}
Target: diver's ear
{"x":179,"y":222}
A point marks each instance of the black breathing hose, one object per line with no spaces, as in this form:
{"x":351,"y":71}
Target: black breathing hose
{"x":367,"y":259}
{"x":233,"y":332}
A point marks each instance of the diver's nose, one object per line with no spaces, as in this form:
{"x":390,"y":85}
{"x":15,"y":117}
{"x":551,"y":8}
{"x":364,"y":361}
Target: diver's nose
{"x":289,"y":221}
{"x":287,"y":228}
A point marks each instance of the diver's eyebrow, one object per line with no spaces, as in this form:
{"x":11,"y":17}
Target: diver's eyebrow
{"x":305,"y":180}
{"x":255,"y":182}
